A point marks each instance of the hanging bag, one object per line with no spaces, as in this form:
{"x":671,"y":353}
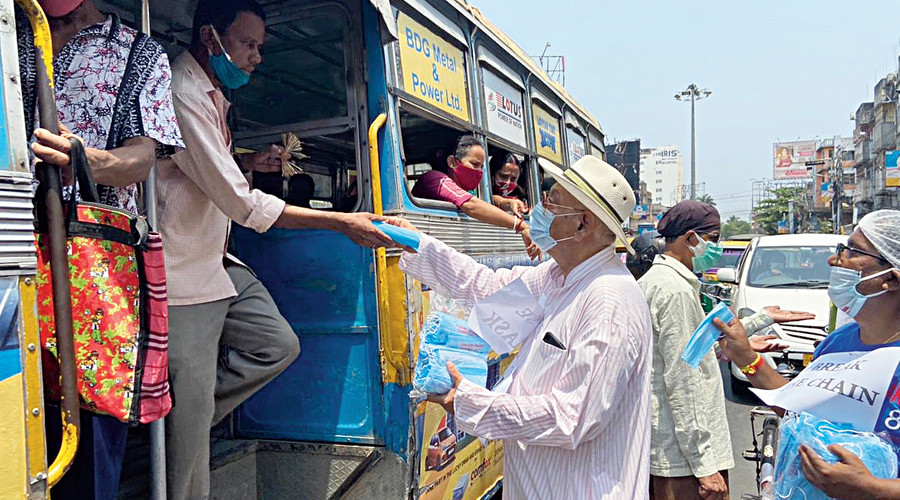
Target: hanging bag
{"x":118,"y":286}
{"x":119,"y":308}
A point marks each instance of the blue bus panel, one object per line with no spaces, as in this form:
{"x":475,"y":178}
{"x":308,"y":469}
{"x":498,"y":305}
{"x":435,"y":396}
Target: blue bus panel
{"x":324,"y":285}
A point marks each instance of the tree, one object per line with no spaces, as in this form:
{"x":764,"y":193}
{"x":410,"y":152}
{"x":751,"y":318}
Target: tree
{"x":771,"y":211}
{"x":705,"y":198}
{"x":734,"y":226}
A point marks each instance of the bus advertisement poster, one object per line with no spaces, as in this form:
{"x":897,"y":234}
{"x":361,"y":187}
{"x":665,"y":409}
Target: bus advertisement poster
{"x":433,"y":69}
{"x":453,"y":465}
{"x":546,"y":134}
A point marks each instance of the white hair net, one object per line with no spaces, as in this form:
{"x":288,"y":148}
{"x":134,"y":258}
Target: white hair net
{"x":882,"y":229}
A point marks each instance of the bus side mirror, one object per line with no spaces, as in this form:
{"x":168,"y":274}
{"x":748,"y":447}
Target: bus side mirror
{"x":727,"y":275}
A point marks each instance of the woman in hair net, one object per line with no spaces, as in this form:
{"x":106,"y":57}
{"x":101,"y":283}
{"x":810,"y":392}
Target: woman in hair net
{"x":864,"y":284}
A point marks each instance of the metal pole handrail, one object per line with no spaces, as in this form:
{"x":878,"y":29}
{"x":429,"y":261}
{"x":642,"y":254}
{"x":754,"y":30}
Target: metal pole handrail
{"x":158,"y":427}
{"x":54,"y":224}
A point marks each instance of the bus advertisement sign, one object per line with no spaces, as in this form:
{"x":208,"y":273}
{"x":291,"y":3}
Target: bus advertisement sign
{"x":454,"y":465}
{"x":546,"y":134}
{"x":433,"y":69}
{"x":505,"y":115}
{"x":576,"y":146}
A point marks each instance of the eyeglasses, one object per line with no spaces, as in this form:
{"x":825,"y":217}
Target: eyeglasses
{"x":855,"y":251}
{"x":710,"y":237}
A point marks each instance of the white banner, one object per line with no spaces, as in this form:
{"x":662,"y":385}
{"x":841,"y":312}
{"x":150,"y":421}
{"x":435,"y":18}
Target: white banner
{"x":505,"y":115}
{"x":506,"y":318}
{"x":845,"y":387}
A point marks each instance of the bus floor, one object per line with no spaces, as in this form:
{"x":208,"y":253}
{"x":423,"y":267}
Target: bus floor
{"x":228,"y":479}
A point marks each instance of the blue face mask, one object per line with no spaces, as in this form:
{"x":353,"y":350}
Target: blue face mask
{"x":706,"y":254}
{"x":541,"y":220}
{"x":705,"y":336}
{"x":842,"y":289}
{"x":228,"y":73}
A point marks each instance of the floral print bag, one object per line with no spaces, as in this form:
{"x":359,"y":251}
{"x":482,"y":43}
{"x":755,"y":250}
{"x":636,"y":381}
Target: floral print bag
{"x":119,"y":308}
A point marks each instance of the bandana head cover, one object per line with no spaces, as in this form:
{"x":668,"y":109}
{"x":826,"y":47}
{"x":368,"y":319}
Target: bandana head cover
{"x":688,"y":216}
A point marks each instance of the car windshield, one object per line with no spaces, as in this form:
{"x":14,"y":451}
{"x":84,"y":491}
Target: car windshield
{"x":444,"y":434}
{"x":730,"y":258}
{"x":790,"y":267}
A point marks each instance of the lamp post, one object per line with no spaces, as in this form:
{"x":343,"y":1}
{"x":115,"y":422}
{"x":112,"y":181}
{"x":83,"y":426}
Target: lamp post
{"x":695,"y":94}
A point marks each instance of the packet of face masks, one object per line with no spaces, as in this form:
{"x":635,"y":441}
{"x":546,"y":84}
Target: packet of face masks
{"x":876,"y":453}
{"x":431,"y":374}
{"x":705,"y":336}
{"x":443,"y":330}
{"x":399,"y":235}
{"x":447,"y":338}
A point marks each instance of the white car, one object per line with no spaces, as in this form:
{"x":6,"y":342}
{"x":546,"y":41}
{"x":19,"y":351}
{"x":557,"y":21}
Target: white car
{"x":790,"y":271}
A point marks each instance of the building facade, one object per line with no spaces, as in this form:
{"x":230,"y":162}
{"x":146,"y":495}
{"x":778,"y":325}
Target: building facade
{"x":662,"y":171}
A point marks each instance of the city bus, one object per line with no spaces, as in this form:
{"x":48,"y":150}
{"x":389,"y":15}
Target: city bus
{"x":371,"y":89}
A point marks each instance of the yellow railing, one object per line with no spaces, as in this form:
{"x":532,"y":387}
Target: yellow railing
{"x":393,"y":357}
{"x":43,"y":45}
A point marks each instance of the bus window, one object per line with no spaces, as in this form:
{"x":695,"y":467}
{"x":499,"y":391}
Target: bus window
{"x":306,"y":85}
{"x":509,"y":174}
{"x":302,"y":77}
{"x":426,"y":145}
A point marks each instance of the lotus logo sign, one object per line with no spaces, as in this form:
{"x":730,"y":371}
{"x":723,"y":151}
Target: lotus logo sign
{"x":503,"y":105}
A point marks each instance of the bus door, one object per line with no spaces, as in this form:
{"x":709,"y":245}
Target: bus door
{"x":311,"y":84}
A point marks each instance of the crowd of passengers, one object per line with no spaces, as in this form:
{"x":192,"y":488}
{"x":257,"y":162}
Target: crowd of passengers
{"x":577,"y":416}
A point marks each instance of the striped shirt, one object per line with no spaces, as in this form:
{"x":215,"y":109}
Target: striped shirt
{"x":575,"y":422}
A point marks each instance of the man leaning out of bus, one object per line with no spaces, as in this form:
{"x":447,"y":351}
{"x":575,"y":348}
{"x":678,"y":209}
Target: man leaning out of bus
{"x":576,"y":418}
{"x":216,"y":304}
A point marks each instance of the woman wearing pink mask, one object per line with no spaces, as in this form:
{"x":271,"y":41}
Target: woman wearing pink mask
{"x":464,"y":171}
{"x":507,"y":193}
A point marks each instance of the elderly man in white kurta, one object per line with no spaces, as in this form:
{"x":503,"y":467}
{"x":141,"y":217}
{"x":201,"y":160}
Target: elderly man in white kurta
{"x":575,"y":420}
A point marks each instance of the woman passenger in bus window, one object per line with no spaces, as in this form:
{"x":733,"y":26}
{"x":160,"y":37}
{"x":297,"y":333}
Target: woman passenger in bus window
{"x":455,"y":179}
{"x":506,"y":191}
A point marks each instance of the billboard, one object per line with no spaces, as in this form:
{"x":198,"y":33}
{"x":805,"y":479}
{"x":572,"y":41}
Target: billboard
{"x":892,"y":172}
{"x":789,"y":159}
{"x":826,"y":193}
{"x":640,"y":212}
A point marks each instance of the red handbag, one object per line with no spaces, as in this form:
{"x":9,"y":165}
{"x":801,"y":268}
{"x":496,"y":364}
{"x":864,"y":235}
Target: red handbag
{"x":119,"y":308}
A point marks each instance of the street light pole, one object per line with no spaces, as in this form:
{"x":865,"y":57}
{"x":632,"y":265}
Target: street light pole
{"x":693,"y":147}
{"x":695,"y":93}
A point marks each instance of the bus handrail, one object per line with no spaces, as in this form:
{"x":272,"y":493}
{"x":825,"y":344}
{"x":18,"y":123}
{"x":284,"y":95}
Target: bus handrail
{"x":388,"y":352}
{"x":56,"y":241}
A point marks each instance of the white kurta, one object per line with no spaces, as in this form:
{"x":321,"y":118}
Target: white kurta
{"x":576,"y":421}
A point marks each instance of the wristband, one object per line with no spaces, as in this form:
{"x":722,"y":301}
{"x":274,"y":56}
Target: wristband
{"x":518,"y":225}
{"x":751,"y":369}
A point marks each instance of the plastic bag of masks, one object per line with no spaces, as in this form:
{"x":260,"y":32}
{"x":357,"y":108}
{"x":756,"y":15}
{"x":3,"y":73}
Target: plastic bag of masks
{"x":445,"y":338}
{"x":790,"y":484}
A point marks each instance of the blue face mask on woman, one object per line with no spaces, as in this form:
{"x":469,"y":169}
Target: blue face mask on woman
{"x":541,"y":220}
{"x":842,"y":289}
{"x":228,"y":73}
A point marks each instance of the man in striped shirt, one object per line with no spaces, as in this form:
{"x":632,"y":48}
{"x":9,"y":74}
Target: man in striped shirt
{"x":575,"y":420}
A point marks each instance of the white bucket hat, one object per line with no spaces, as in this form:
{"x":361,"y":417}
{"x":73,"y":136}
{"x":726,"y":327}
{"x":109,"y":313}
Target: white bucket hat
{"x":599,"y":187}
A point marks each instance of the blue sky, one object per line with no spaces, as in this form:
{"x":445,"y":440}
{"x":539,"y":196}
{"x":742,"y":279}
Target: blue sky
{"x":778,"y":70}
